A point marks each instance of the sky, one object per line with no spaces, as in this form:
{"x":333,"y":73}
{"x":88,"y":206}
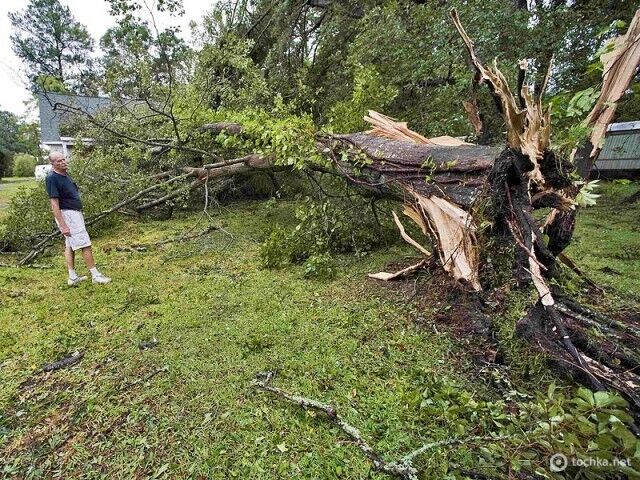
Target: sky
{"x":94,"y":14}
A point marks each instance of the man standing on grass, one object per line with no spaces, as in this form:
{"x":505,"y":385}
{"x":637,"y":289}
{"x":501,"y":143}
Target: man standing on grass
{"x":67,"y":210}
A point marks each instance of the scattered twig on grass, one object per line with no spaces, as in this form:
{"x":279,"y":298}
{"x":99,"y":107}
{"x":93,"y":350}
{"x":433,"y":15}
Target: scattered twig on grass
{"x":149,"y":344}
{"x":142,"y":247}
{"x":144,"y":379}
{"x":403,"y":468}
{"x":43,"y":266}
{"x":69,"y":361}
{"x":125,"y":248}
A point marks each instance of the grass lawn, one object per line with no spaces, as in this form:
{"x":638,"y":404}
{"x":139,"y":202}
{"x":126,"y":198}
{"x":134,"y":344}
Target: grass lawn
{"x":9,"y":186}
{"x":606,"y":242}
{"x":185,"y":409}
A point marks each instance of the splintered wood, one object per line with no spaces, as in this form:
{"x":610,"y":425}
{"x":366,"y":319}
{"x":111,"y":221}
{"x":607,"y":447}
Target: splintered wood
{"x":619,"y":66}
{"x":388,"y":127}
{"x":451,"y":227}
{"x":384,"y":126}
{"x":528,"y":128}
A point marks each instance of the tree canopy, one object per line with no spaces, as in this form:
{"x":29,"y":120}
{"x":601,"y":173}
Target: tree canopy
{"x":55,"y":48}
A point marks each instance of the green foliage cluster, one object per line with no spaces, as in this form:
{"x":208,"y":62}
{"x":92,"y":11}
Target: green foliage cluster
{"x":16,"y":136}
{"x":369,"y":93}
{"x":288,"y":137}
{"x":227,"y":77}
{"x":325,"y":227}
{"x":28,"y":215}
{"x":24,"y":165}
{"x":522,"y":431}
{"x":136,"y":63}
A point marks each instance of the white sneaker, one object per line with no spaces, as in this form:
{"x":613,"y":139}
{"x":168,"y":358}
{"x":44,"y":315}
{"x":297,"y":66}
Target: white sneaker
{"x":100,"y":278}
{"x":72,"y":282}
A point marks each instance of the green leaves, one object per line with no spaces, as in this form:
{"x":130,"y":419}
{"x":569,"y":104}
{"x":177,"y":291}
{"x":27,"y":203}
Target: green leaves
{"x":24,"y":165}
{"x":369,"y":93}
{"x":324,"y":227}
{"x":586,"y":197}
{"x":590,"y":425}
{"x":582,"y":102}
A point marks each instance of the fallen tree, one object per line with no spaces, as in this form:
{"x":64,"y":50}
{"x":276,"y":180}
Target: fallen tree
{"x":449,"y":188}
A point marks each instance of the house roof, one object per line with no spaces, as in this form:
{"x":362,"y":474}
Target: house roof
{"x":624,"y":126}
{"x":51,"y":117}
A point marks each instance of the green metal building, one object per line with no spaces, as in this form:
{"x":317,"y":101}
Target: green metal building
{"x":620,"y":155}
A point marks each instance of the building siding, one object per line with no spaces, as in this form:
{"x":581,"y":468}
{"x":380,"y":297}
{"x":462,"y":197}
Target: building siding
{"x":621,"y":151}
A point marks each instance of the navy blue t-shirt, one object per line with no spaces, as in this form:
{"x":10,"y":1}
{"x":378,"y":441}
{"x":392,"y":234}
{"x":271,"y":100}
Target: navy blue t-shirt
{"x":63,"y":188}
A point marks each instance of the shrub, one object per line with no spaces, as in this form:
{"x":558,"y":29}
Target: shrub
{"x":324,"y":227}
{"x":583,"y":427}
{"x":28,"y":214}
{"x":319,"y":266}
{"x":24,"y":165}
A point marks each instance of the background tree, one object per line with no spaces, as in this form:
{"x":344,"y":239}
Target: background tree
{"x":53,"y":45}
{"x":135,"y":58}
{"x":16,"y":136}
{"x":313,"y":52}
{"x":9,"y":127}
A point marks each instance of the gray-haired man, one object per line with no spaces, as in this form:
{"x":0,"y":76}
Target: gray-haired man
{"x":67,"y":210}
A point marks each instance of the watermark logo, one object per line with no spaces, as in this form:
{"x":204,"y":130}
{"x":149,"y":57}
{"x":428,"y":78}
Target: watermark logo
{"x":558,"y":462}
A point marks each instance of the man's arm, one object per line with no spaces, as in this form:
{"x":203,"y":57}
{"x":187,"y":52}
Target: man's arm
{"x":55,"y":208}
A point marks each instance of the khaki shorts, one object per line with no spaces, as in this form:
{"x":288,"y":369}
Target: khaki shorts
{"x":79,"y":237}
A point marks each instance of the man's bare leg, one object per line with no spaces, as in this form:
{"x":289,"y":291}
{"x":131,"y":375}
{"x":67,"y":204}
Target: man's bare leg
{"x":70,"y":259}
{"x":88,"y":257}
{"x":97,"y":277}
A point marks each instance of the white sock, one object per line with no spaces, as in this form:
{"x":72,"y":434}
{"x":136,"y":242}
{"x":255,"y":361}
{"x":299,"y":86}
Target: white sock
{"x":94,"y":272}
{"x":72,"y":274}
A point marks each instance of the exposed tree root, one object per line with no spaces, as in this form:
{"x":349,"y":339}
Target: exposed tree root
{"x":578,"y":271}
{"x":607,"y":357}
